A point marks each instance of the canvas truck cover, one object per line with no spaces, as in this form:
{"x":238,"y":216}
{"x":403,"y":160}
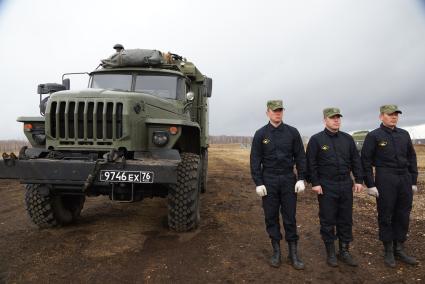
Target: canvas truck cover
{"x":133,"y":58}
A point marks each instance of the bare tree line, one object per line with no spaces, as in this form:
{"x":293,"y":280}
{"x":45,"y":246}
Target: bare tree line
{"x":16,"y":145}
{"x":247,"y":140}
{"x":224,"y":139}
{"x":12,"y":145}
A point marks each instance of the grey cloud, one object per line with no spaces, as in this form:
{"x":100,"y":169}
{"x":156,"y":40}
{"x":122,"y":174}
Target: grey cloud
{"x":355,"y":55}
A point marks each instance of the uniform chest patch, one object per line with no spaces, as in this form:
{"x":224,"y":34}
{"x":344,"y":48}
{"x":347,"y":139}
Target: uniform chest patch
{"x":266,"y":141}
{"x":382,"y":143}
{"x":325,"y":147}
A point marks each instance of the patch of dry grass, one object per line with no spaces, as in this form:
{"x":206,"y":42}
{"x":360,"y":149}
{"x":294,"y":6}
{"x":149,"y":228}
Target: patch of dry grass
{"x":234,"y":154}
{"x":420,"y":154}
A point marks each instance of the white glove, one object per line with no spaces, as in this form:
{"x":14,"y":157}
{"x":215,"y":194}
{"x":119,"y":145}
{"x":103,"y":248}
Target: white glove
{"x":261,"y":190}
{"x":373,"y":191}
{"x":414,"y":189}
{"x":299,"y":186}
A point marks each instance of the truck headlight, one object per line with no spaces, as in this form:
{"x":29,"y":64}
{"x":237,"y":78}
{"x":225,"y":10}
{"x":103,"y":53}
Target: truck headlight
{"x":40,"y":139}
{"x":160,"y":138}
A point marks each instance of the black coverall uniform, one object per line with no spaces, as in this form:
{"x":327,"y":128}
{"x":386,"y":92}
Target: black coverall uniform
{"x":274,"y":152}
{"x":330,"y":159}
{"x":392,"y":153}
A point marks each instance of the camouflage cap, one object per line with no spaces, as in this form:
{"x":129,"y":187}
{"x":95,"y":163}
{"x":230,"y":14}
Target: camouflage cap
{"x":331,"y":111}
{"x":275,"y":104}
{"x":388,"y":109}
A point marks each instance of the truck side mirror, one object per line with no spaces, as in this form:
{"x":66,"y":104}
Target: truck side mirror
{"x":208,"y":87}
{"x":67,"y":83}
{"x":49,"y":88}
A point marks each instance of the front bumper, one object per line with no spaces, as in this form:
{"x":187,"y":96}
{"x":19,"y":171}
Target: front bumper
{"x":77,"y":172}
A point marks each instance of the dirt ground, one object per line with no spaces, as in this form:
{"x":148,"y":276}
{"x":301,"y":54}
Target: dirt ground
{"x":128,"y":243}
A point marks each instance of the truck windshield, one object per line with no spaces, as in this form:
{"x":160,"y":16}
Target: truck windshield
{"x":167,"y":87}
{"x":164,"y":86}
{"x":120,"y":82}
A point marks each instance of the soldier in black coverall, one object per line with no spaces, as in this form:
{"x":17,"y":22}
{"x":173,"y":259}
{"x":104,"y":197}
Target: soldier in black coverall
{"x":276,"y":147}
{"x":331,"y":156}
{"x":389,"y":149}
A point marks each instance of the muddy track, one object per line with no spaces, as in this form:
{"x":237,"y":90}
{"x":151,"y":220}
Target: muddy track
{"x":127,"y":243}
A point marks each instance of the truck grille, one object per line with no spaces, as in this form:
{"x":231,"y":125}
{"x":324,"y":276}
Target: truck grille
{"x":86,"y":122}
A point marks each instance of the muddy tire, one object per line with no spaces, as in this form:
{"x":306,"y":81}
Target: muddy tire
{"x":47,"y":210}
{"x":204,"y":171}
{"x":184,"y":196}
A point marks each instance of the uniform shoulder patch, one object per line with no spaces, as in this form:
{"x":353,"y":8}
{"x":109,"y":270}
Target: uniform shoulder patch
{"x":266,"y":141}
{"x":325,"y":147}
{"x":382,"y":143}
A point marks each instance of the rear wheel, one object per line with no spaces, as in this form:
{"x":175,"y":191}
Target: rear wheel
{"x":184,"y":196}
{"x":49,"y":210}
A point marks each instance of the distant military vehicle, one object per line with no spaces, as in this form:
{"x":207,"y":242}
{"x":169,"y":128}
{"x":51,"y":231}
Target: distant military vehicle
{"x":359,"y":137}
{"x":139,"y":130}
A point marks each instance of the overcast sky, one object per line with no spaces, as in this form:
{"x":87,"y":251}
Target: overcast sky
{"x":353,"y":54}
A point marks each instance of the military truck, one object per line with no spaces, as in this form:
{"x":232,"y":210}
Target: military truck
{"x":359,"y":137}
{"x":140,"y":129}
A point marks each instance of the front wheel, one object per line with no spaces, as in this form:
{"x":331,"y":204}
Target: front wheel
{"x":184,"y":196}
{"x":204,"y":177}
{"x":49,"y":210}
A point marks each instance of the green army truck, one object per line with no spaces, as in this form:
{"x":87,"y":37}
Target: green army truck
{"x":140,"y":129}
{"x":359,"y":137}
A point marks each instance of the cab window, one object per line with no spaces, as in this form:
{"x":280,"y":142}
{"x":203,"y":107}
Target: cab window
{"x":167,"y":87}
{"x":118,"y":82}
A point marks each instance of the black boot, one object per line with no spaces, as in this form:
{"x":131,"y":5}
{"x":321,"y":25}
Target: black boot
{"x":293,"y":256}
{"x":400,"y":254}
{"x":331,"y":255}
{"x":389,"y":254}
{"x":275,"y":260}
{"x":344,"y":254}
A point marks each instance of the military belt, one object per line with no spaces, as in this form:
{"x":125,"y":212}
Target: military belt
{"x":278,"y":171}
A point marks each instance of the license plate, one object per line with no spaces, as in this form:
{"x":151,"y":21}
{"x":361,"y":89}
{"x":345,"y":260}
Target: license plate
{"x":126,"y":176}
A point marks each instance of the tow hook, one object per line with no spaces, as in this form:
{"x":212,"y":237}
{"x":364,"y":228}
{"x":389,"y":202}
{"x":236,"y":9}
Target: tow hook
{"x":9,"y":159}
